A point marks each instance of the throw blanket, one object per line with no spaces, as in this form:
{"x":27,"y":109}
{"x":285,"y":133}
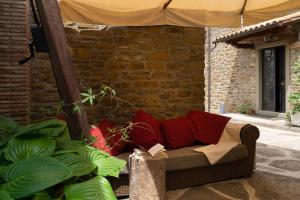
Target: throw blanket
{"x":229,"y":139}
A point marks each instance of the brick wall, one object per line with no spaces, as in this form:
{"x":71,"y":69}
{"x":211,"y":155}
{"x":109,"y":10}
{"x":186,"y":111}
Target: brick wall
{"x":14,"y":79}
{"x":233,"y":75}
{"x":159,"y":69}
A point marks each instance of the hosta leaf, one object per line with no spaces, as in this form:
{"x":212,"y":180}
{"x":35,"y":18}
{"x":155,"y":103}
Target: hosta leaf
{"x":97,"y":188}
{"x":28,"y":128}
{"x":7,"y":128}
{"x":52,"y":123}
{"x":107,"y":165}
{"x":2,"y":167}
{"x":78,"y":165}
{"x":23,"y":147}
{"x":66,"y":144}
{"x":42,"y":196}
{"x":52,"y":132}
{"x":7,"y":124}
{"x":57,"y":126}
{"x":26,"y":177}
{"x":110,"y":166}
{"x":92,"y":154}
{"x":4,"y":138}
{"x":65,"y":134}
{"x":3,"y":164}
{"x":5,"y":196}
{"x":59,"y":152}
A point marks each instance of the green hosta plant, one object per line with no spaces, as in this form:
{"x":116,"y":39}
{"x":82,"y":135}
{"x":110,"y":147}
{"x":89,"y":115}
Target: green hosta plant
{"x":40,"y":161}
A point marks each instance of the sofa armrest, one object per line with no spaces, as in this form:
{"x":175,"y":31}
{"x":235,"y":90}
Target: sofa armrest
{"x":249,"y":134}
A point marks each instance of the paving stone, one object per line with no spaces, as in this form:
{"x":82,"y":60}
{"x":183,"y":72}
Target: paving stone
{"x":261,"y":159}
{"x":270,"y":152}
{"x":233,"y":189}
{"x":291,"y":165}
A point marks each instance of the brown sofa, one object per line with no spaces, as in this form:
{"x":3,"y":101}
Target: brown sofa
{"x":186,"y":168}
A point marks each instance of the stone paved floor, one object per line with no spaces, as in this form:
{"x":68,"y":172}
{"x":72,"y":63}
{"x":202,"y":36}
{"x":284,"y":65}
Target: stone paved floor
{"x":277,"y":174}
{"x":277,"y":177}
{"x":279,"y":138}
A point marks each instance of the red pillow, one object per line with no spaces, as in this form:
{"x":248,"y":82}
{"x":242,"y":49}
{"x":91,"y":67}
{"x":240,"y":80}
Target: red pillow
{"x":100,"y":142}
{"x":146,"y":131}
{"x":177,"y":133}
{"x":206,"y":127}
{"x":111,"y":142}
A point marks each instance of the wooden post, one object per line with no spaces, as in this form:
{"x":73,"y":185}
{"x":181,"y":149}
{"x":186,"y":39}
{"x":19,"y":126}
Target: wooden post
{"x":62,"y":65}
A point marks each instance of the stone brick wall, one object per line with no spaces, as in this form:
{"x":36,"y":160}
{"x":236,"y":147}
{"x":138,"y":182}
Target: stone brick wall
{"x":159,"y":69}
{"x":233,"y":75}
{"x":14,"y":79}
{"x":294,"y":58}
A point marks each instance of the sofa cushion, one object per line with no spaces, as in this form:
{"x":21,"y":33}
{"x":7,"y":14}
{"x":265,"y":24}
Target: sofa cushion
{"x":206,"y":127}
{"x":186,"y":158}
{"x":177,"y":133}
{"x":146,"y":131}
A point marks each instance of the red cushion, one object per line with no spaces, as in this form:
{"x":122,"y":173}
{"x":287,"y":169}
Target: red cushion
{"x":146,"y":131}
{"x":206,"y":127}
{"x":177,"y":133}
{"x":99,"y":142}
{"x":111,"y":142}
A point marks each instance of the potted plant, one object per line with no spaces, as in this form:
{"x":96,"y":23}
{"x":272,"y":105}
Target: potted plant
{"x":294,"y":98}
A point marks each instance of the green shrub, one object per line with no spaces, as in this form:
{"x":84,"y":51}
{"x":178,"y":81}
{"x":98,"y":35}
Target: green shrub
{"x":294,"y":100}
{"x":40,"y":161}
{"x":245,"y":109}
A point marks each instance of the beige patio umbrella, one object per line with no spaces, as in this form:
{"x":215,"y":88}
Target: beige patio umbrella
{"x":225,"y":13}
{"x":262,"y":10}
{"x":114,"y":12}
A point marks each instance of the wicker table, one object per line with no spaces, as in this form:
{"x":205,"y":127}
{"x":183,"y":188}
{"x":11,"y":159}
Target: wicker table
{"x":147,"y":176}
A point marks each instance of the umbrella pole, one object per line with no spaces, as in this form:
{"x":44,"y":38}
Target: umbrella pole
{"x":62,"y":65}
{"x":209,"y":69}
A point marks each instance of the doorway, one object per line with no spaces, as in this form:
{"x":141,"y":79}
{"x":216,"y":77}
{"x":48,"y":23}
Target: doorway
{"x":273,"y":79}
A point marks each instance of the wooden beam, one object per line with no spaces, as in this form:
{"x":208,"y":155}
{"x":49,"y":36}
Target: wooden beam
{"x":167,"y":4}
{"x":244,"y":46}
{"x":62,"y":65}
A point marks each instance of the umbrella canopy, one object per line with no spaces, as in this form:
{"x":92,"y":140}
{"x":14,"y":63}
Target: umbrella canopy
{"x":193,"y":13}
{"x":114,"y":12}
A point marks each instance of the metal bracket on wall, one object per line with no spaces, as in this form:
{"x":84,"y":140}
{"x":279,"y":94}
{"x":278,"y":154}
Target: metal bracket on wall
{"x":25,"y":60}
{"x":38,"y":43}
